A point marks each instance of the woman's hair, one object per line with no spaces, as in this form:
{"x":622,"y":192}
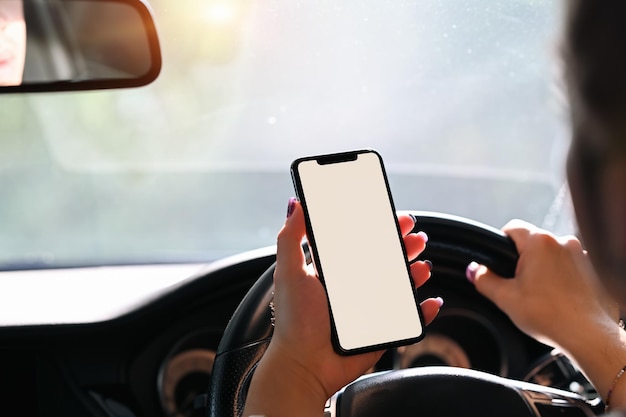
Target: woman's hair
{"x":594,"y":51}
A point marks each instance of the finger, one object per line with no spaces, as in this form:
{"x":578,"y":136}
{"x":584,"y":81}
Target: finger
{"x":571,"y":242}
{"x":489,"y":284}
{"x":420,"y":271}
{"x":289,"y":254}
{"x":415,"y":243}
{"x":407,"y":223}
{"x":520,"y":231}
{"x":430,"y":308}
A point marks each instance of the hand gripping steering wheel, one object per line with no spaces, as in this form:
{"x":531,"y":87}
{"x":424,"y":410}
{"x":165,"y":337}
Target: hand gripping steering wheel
{"x":428,"y":391}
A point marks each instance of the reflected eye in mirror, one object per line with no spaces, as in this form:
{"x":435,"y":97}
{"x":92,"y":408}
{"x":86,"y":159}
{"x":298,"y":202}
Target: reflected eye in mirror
{"x":61,"y":45}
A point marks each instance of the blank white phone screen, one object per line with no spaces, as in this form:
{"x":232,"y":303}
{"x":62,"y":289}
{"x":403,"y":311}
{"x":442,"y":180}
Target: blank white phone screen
{"x":359,"y":251}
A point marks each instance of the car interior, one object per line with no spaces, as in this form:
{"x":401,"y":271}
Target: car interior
{"x":144,"y":174}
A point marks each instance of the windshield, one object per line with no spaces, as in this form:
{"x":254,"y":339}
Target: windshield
{"x":459,"y":97}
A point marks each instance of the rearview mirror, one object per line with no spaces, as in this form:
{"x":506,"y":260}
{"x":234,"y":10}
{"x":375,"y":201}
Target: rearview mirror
{"x":61,"y":45}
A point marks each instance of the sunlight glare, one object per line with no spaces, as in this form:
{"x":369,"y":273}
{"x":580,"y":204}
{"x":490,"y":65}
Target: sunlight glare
{"x":220,"y":13}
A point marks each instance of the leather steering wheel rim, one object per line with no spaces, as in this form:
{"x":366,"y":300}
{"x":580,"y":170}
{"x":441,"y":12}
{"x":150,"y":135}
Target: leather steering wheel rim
{"x":453,"y":243}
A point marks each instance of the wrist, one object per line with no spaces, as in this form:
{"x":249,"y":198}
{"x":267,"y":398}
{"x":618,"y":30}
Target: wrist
{"x":282,"y":387}
{"x":600,"y":351}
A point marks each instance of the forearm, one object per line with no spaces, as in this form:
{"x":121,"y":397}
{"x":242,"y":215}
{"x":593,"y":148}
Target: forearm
{"x":600,"y":351}
{"x":279,"y":390}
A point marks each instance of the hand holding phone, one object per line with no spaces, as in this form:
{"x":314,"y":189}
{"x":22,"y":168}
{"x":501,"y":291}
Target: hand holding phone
{"x":357,"y":250}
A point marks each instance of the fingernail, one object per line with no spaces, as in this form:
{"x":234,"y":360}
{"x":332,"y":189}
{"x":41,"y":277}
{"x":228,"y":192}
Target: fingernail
{"x":414,"y":218}
{"x":291,"y":206}
{"x":429,"y":263}
{"x":470,"y":272}
{"x":440,"y":301}
{"x":423,"y":235}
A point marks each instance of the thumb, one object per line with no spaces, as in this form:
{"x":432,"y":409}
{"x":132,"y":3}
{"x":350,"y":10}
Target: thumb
{"x":488,"y":283}
{"x":289,"y":254}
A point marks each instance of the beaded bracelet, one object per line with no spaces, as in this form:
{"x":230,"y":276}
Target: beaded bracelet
{"x":608,"y":396}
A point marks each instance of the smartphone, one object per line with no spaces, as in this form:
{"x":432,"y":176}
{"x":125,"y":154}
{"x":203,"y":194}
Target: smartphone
{"x":358,"y":251}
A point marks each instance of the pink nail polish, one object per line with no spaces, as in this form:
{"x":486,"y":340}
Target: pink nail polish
{"x":429,"y":263}
{"x":424,"y":235}
{"x":470,"y":272}
{"x":440,"y":301}
{"x":291,"y":206}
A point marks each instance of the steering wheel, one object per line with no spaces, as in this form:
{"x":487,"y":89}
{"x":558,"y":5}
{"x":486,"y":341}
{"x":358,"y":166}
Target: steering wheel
{"x":428,"y":391}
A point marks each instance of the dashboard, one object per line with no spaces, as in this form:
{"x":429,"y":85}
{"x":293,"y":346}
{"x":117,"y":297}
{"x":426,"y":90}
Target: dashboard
{"x":153,"y":356}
